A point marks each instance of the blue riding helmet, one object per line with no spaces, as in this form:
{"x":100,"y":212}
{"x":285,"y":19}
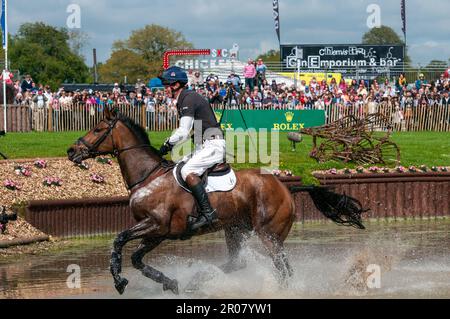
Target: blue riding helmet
{"x":173,"y":75}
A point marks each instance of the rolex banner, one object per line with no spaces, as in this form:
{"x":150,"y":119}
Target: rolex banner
{"x":276,"y":17}
{"x":277,"y":120}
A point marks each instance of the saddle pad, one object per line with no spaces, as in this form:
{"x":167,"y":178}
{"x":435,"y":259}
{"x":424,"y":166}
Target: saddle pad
{"x":224,"y":183}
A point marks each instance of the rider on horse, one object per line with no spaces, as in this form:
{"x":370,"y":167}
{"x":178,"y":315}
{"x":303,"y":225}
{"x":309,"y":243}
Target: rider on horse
{"x":209,"y":151}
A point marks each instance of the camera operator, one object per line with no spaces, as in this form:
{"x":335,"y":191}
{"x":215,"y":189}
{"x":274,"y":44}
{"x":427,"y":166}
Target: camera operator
{"x":213,"y":90}
{"x":232,"y":94}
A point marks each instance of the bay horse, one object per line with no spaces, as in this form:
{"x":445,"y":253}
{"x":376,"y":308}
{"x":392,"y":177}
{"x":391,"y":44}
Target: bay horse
{"x":258,"y":203}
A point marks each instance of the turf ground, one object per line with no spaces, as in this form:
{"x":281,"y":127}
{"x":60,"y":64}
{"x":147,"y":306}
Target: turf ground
{"x":417,"y":148}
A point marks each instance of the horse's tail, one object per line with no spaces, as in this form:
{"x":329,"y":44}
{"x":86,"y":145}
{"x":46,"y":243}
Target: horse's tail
{"x":342,"y":209}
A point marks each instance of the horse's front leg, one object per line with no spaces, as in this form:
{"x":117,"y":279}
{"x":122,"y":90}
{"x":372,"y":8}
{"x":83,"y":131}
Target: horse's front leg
{"x":145,"y":247}
{"x":140,"y":230}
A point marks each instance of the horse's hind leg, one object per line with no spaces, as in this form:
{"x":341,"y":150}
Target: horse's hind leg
{"x":136,"y":232}
{"x":234,"y":237}
{"x":145,"y":247}
{"x":276,"y":251}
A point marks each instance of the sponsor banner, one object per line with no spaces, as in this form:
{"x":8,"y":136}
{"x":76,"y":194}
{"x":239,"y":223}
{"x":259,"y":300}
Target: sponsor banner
{"x":307,"y":77}
{"x":367,"y":59}
{"x":277,"y":120}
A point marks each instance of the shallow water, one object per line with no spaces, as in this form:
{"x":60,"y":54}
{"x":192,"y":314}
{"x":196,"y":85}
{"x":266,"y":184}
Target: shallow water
{"x":329,"y":262}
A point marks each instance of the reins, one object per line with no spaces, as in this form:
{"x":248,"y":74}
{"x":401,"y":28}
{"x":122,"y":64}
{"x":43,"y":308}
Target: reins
{"x":92,"y":150}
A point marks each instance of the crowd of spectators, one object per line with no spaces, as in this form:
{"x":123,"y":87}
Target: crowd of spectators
{"x":253,"y":92}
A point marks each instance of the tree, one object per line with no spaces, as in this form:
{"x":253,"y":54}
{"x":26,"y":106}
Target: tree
{"x":383,"y":35}
{"x":272,"y":56}
{"x":123,"y":62}
{"x":77,"y":41}
{"x":43,"y":51}
{"x":149,"y":44}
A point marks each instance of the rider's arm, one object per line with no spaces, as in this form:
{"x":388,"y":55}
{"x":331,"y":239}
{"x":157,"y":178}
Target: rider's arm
{"x":183,"y":132}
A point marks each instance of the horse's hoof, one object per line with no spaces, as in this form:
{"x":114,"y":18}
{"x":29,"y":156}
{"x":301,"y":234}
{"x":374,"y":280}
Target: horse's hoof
{"x":171,"y":285}
{"x":121,"y":285}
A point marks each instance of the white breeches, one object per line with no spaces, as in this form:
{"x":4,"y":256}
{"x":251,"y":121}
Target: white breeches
{"x":211,"y":153}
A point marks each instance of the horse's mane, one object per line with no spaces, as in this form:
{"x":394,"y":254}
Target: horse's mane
{"x":137,"y":130}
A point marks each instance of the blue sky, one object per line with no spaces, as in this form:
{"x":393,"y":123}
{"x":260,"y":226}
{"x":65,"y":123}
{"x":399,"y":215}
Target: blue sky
{"x":219,"y":24}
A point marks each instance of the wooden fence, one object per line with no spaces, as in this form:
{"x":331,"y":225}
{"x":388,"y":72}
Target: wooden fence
{"x":389,"y":196}
{"x":82,"y":118}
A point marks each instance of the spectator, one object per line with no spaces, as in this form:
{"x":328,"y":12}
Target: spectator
{"x":261,"y":69}
{"x":249,"y":74}
{"x":445,"y":99}
{"x":27,"y":83}
{"x":421,"y":82}
{"x":197,"y":80}
{"x":8,"y":77}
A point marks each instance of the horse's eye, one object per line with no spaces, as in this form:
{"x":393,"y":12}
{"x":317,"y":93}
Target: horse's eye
{"x":97,"y":130}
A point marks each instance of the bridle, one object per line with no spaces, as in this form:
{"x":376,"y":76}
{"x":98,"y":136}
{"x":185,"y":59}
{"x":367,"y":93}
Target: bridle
{"x":92,"y":149}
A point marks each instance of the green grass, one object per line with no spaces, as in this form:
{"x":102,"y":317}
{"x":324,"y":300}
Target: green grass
{"x":417,"y":148}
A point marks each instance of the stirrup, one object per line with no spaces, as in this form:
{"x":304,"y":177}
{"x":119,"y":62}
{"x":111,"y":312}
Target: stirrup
{"x":202,"y":220}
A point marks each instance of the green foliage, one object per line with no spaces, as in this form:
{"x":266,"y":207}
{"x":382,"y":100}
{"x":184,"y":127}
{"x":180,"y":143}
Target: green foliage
{"x":123,"y":62}
{"x":270,"y":56}
{"x":43,"y":51}
{"x":384,"y":35}
{"x":143,"y":52}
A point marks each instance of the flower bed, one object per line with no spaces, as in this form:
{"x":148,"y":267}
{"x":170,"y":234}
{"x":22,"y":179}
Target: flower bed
{"x":54,"y":179}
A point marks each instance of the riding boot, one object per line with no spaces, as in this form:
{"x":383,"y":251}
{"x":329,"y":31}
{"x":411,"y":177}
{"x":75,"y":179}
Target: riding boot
{"x":207,"y":215}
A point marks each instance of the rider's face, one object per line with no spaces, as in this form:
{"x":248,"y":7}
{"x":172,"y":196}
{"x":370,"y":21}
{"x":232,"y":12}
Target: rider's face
{"x":171,"y":90}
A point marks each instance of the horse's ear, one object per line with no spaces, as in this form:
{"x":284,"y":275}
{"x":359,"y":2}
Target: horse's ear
{"x":111,"y":112}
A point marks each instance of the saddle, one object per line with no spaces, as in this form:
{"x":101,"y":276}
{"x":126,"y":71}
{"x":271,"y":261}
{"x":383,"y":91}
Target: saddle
{"x":219,"y":178}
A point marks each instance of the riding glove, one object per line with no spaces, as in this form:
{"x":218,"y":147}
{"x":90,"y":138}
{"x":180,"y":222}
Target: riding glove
{"x":165,"y":148}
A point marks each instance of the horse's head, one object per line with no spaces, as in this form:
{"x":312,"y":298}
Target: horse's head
{"x":98,"y":141}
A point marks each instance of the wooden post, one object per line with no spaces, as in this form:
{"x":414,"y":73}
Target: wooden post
{"x":50,"y":119}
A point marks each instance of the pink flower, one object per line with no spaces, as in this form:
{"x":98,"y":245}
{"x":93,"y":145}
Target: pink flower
{"x":400,"y":169}
{"x":40,"y":164}
{"x":98,"y":179}
{"x":11,"y":185}
{"x":276,"y":172}
{"x":332,"y":171}
{"x":412,"y":169}
{"x":52,"y":181}
{"x":374,"y":169}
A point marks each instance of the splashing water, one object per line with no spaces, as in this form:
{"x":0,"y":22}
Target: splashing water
{"x":328,"y":262}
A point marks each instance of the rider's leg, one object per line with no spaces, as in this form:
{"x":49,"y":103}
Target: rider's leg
{"x":212,"y":153}
{"x":207,"y":215}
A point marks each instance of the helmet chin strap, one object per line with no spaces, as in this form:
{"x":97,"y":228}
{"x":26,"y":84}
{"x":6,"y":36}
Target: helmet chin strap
{"x":175,"y":91}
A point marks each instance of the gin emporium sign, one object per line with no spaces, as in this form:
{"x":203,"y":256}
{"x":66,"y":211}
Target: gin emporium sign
{"x":368,"y":59}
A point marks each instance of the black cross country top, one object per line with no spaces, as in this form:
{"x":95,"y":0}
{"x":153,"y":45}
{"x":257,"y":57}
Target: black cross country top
{"x":192,"y":104}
